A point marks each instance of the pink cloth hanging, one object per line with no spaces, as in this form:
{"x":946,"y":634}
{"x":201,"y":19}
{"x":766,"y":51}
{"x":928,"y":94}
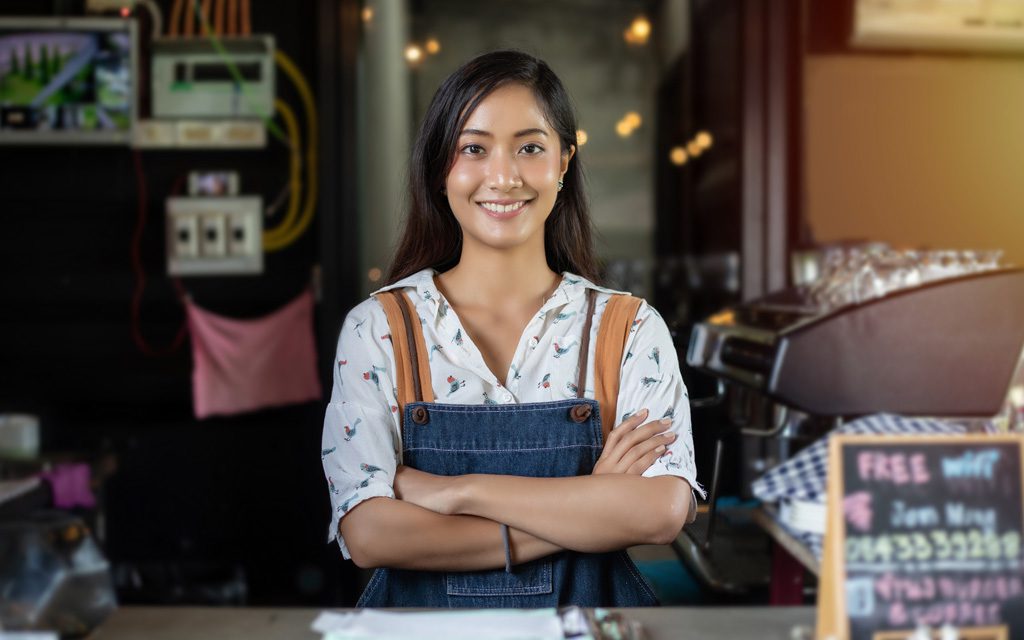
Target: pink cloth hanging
{"x":71,"y":484}
{"x":244,"y":365}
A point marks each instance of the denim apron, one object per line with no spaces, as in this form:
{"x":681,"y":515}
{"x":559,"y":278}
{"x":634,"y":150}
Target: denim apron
{"x":545,"y":439}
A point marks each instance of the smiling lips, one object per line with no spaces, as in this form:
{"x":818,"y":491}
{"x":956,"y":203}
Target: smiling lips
{"x":503,"y":209}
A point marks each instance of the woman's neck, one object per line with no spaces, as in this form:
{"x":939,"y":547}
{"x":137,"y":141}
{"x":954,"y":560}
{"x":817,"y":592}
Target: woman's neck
{"x":499,"y":280}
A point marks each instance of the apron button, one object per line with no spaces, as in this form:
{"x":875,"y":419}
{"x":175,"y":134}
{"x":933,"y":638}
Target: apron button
{"x":580,"y":412}
{"x":420,"y":415}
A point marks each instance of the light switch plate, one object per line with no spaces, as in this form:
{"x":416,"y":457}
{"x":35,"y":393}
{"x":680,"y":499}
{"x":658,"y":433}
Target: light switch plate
{"x":210,"y":236}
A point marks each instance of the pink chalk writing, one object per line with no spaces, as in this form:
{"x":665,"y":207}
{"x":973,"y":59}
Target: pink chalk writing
{"x":857,"y":507}
{"x":897,"y":468}
{"x":892,"y":587}
{"x":958,"y":614}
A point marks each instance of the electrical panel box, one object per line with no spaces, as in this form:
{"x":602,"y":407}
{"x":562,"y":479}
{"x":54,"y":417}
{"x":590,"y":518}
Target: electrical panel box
{"x":209,"y":236}
{"x":191,"y":78}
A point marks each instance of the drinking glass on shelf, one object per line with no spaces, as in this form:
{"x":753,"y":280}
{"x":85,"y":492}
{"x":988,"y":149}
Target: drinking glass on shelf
{"x":989,"y":259}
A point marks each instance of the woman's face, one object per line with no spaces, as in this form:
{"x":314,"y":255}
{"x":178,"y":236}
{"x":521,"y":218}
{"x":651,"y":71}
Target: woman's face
{"x":508,"y":161}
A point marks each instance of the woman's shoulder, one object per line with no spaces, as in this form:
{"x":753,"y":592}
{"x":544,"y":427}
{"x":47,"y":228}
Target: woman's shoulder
{"x":420,"y":285}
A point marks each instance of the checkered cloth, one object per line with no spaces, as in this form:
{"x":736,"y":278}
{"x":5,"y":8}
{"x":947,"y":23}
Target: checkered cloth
{"x":803,"y":476}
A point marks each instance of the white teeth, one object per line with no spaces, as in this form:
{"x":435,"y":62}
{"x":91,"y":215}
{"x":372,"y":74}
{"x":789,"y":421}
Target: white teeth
{"x":497,"y":208}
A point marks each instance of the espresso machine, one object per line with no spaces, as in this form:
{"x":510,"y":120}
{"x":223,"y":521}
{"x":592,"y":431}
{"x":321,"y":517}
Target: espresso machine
{"x":789,"y":369}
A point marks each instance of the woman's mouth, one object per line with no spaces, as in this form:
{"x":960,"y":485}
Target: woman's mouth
{"x":503,"y":209}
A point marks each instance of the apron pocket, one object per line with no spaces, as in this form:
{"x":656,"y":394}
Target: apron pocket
{"x":530,"y":578}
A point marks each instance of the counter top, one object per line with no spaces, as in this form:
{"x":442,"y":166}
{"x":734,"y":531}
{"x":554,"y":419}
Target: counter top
{"x":206,"y":623}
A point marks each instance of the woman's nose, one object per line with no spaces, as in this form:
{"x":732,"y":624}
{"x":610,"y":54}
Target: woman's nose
{"x":503,"y":174}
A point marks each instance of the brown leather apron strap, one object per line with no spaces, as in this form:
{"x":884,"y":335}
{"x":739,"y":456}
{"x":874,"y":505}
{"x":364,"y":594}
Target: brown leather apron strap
{"x":616,"y":322}
{"x":581,"y":378}
{"x":406,"y":341}
{"x":420,"y":359}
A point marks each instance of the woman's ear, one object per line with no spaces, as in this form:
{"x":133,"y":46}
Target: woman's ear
{"x":566,"y":157}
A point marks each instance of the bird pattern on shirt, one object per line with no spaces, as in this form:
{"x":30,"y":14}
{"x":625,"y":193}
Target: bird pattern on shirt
{"x":350,"y":431}
{"x":454,"y":384}
{"x":545,"y":382}
{"x":373,"y":375}
{"x":358,"y":325}
{"x":362,"y":432}
{"x":561,"y":351}
{"x":656,"y":356}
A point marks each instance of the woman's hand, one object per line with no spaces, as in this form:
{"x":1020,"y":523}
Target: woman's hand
{"x":632,"y":449}
{"x":425,"y":489}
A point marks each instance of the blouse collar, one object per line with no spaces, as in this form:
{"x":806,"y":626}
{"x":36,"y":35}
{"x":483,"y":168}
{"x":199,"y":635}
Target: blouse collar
{"x":569,"y":289}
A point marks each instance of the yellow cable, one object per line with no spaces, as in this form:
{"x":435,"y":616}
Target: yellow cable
{"x":291,"y":127}
{"x":280,"y":238}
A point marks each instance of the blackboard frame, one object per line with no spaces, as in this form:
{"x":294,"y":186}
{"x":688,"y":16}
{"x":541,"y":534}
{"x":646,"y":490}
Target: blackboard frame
{"x":833,"y":623}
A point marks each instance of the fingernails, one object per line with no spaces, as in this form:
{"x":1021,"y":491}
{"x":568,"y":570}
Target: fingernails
{"x":660,"y":448}
{"x":669,"y":436}
{"x":644,"y":412}
{"x":666,"y":421}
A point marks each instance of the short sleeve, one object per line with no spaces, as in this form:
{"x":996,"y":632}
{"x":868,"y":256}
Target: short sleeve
{"x":650,"y":379}
{"x":361,"y":442}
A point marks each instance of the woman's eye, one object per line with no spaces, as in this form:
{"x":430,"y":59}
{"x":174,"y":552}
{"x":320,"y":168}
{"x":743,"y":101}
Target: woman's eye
{"x":532,"y":149}
{"x":473,"y":149}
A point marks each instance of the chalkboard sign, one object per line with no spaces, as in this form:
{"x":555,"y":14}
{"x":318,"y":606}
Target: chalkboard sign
{"x":923,"y":530}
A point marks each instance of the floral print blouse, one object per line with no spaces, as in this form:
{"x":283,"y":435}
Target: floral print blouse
{"x":362,"y":437}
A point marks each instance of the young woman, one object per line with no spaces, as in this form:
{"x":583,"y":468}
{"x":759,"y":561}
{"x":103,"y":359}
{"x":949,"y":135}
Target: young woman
{"x":499,"y":489}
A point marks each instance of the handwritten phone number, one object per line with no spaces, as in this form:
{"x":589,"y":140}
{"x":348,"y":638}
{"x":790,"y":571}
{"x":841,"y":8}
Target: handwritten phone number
{"x":936,"y":545}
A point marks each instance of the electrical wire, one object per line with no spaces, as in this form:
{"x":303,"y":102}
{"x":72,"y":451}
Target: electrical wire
{"x":140,"y":273}
{"x":207,"y":17}
{"x":219,"y":11}
{"x":274,"y":240}
{"x":246,"y":21}
{"x":278,"y":201}
{"x":291,"y":126}
{"x":190,"y":18}
{"x":155,"y":15}
{"x":172,"y":27}
{"x":233,"y":69}
{"x":282,"y":235}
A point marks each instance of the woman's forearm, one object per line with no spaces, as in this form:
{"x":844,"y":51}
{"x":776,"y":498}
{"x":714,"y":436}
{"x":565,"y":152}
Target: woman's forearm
{"x":583,"y":513}
{"x":383,"y":532}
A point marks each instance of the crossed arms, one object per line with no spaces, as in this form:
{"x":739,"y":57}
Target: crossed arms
{"x":442,"y":523}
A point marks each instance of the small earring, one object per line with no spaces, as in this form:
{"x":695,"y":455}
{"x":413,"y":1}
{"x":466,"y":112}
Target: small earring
{"x":444,"y":191}
{"x":560,"y":185}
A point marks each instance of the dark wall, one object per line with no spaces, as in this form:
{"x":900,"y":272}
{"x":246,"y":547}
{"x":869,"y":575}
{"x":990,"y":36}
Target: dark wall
{"x":243,"y":491}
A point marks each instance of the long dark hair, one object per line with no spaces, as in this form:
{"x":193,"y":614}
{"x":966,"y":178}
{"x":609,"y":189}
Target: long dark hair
{"x":432,"y":236}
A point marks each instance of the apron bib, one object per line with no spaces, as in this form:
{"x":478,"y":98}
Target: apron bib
{"x":544,"y":439}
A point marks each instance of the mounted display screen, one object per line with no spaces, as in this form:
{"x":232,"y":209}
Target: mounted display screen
{"x":67,"y":80}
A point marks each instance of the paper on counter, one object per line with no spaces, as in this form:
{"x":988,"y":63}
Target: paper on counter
{"x":496,"y":624}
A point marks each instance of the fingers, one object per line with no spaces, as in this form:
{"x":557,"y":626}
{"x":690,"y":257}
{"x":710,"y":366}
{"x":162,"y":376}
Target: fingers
{"x":650,"y":448}
{"x":619,"y":450}
{"x":645,"y":462}
{"x":626,"y":426}
{"x":645,"y":432}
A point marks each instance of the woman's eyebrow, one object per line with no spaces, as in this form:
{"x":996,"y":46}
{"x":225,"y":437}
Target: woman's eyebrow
{"x":518,"y":134}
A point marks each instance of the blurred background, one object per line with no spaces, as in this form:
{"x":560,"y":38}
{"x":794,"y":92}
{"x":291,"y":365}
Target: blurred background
{"x":227,"y":161}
